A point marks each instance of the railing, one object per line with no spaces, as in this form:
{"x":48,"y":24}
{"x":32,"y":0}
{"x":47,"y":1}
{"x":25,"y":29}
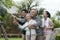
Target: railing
{"x":12,"y":35}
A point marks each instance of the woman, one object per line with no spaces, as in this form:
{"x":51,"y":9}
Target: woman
{"x":47,"y":24}
{"x":30,"y":33}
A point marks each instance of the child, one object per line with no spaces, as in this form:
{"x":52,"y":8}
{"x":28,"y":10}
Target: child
{"x":30,"y":33}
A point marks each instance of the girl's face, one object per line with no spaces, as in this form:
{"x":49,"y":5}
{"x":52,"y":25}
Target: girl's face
{"x":28,"y":18}
{"x":45,"y":14}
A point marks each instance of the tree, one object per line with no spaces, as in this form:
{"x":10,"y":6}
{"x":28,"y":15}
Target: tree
{"x":7,"y":3}
{"x":56,"y":23}
{"x":8,"y":20}
{"x":58,"y":13}
{"x":41,"y":12}
{"x":26,"y":4}
{"x":56,"y":20}
{"x":3,"y":11}
{"x":2,"y":14}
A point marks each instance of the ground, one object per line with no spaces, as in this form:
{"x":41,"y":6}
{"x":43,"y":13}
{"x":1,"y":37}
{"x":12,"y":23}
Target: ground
{"x":11,"y":39}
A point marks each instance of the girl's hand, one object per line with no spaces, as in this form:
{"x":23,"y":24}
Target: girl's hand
{"x":31,"y":26}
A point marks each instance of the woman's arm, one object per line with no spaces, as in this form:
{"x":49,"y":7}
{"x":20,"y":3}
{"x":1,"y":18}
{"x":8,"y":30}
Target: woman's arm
{"x":51,"y":25}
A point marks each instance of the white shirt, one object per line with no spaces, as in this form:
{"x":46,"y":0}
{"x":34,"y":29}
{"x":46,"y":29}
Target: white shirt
{"x":46,"y":22}
{"x":31,"y":22}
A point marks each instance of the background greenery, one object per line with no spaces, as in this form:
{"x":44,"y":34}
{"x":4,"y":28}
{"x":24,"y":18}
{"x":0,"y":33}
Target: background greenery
{"x":8,"y":19}
{"x":11,"y":38}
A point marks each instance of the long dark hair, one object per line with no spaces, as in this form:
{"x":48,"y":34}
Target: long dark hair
{"x":48,"y":14}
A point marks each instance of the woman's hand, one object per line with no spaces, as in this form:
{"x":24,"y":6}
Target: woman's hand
{"x":51,"y":25}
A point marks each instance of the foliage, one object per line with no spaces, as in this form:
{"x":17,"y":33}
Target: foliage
{"x":41,"y":12}
{"x":8,"y":20}
{"x":3,"y":11}
{"x":56,"y":20}
{"x":57,"y":38}
{"x":7,"y":3}
{"x":26,"y":5}
{"x":5,"y":17}
{"x":58,"y":13}
{"x":56,"y":23}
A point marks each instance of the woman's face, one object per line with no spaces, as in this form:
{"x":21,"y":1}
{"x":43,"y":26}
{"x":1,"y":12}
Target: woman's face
{"x":28,"y":18}
{"x":45,"y":14}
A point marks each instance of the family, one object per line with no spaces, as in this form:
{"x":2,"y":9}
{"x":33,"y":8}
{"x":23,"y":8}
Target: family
{"x":33,"y":27}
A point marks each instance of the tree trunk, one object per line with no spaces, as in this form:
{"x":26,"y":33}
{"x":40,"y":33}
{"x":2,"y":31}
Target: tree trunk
{"x":0,"y":32}
{"x":4,"y":33}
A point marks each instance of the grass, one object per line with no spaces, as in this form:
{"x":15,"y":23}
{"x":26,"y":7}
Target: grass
{"x":57,"y":38}
{"x":11,"y":39}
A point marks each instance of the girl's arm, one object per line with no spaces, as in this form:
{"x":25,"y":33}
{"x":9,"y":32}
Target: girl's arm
{"x":25,"y":25}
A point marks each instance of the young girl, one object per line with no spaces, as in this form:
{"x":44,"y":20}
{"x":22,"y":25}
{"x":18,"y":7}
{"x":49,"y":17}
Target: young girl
{"x":47,"y":24}
{"x":30,"y":33}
